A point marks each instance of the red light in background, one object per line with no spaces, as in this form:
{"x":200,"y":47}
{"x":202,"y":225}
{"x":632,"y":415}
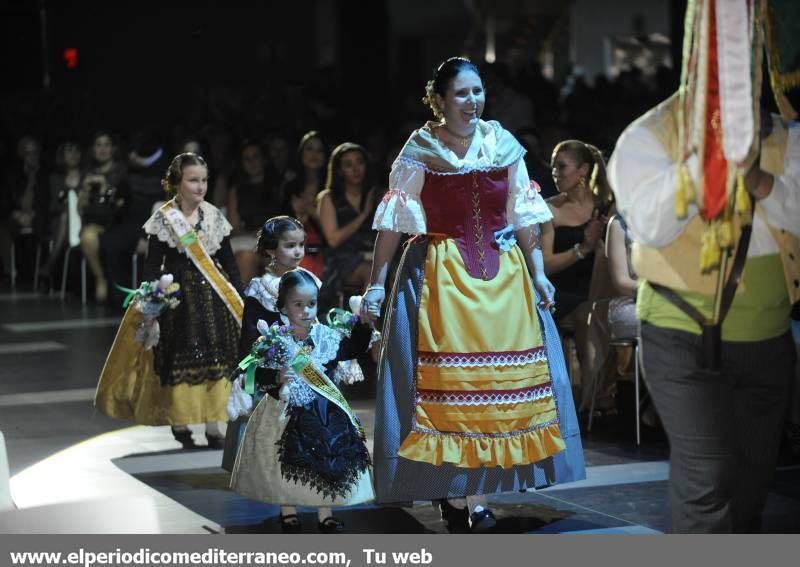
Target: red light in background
{"x":71,"y":57}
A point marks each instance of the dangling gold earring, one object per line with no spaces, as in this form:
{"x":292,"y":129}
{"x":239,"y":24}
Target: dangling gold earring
{"x":582,"y":182}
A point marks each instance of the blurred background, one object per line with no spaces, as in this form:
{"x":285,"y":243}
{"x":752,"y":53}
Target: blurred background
{"x":226,"y":71}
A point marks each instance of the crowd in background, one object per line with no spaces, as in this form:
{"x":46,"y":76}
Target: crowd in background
{"x":258,"y":165}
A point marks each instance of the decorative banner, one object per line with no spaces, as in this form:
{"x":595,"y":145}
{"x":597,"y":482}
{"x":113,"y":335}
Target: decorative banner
{"x":714,"y":163}
{"x":734,"y":40}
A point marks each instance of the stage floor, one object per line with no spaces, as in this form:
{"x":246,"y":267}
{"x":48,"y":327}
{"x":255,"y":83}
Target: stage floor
{"x":61,"y":450}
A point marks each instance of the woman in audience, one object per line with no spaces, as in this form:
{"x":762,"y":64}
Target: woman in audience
{"x":66,"y":178}
{"x":345,"y":209}
{"x":569,"y":242}
{"x":100,"y":197}
{"x":301,"y":197}
{"x":252,"y":198}
{"x":622,"y":320}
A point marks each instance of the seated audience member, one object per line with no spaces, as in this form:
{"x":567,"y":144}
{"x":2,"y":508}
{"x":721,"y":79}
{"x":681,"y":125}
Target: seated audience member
{"x":569,"y":243}
{"x":253,"y":196}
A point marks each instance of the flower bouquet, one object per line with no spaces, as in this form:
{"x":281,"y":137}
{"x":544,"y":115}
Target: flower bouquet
{"x":276,"y":349}
{"x":151,"y":300}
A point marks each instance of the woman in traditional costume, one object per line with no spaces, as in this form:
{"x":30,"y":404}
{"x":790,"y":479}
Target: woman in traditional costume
{"x":473,"y":396}
{"x":182,"y":379}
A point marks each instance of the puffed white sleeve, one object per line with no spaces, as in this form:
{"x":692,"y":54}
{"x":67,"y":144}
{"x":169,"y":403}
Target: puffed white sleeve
{"x":401,"y":209}
{"x":525,"y":205}
{"x":782,"y":205}
{"x":643,"y":179}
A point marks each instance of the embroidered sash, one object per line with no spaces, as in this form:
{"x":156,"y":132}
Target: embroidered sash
{"x":318,"y":381}
{"x":188,"y":238}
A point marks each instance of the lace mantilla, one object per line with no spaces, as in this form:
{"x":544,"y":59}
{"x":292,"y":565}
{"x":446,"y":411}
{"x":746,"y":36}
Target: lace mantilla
{"x":492,"y":147}
{"x":215,"y":227}
{"x":326,"y":344}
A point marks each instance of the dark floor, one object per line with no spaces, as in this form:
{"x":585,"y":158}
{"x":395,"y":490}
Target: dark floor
{"x":51,"y":353}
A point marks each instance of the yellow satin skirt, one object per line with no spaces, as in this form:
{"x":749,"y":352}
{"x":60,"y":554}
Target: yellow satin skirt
{"x":483,"y":392}
{"x":129,"y":388}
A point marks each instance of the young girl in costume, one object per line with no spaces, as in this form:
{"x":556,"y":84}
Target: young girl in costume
{"x":182,"y":379}
{"x":303,"y":445}
{"x":281,"y":241}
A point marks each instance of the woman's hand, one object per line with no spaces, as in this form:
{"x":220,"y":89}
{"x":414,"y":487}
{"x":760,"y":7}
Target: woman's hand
{"x":371,"y":304}
{"x":758,"y":182}
{"x":593,"y":232}
{"x":95,"y":179}
{"x":546,"y":290}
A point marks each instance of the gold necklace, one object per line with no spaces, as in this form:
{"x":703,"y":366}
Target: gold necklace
{"x":463,"y":141}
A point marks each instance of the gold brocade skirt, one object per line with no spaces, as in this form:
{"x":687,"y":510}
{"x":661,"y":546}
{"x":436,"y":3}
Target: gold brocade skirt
{"x":129,"y":388}
{"x":483,"y":392}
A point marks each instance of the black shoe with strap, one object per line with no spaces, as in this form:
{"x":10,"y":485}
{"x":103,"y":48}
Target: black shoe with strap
{"x":290,"y":524}
{"x":331,"y":525}
{"x":215,"y":441}
{"x":455,"y":517}
{"x":482,"y":520}
{"x":184,"y":437}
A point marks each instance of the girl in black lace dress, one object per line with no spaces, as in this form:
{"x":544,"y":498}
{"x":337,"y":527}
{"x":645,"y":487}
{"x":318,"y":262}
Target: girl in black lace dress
{"x":346,"y":207}
{"x":303,"y":445}
{"x":182,"y":380}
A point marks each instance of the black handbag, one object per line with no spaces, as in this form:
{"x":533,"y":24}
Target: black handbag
{"x":101,"y":207}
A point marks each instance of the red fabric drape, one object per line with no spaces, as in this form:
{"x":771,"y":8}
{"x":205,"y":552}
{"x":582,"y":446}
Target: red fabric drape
{"x":714,"y":164}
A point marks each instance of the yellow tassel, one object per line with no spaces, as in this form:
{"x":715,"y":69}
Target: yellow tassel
{"x":725,"y":234}
{"x":710,"y":254}
{"x":681,"y":206}
{"x":684,"y":192}
{"x":688,"y":184}
{"x":742,"y":199}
